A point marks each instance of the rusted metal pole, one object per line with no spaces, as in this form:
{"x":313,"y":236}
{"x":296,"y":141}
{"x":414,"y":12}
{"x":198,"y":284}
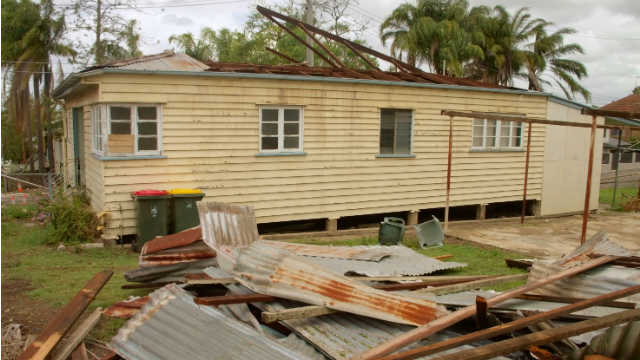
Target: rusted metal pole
{"x":526,"y":174}
{"x":455,"y":317}
{"x":512,"y":326}
{"x":286,"y":57}
{"x":364,"y":58}
{"x":587,"y":196}
{"x":446,"y":206}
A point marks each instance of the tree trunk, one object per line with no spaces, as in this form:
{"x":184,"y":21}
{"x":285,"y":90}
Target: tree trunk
{"x":26,"y":116}
{"x":37,"y":107}
{"x":48,"y":81}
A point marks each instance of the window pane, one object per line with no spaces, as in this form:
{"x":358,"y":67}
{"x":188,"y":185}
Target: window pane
{"x":148,"y":143}
{"x":491,"y":141}
{"x":269,"y":143}
{"x":291,"y":114}
{"x":120,"y":112}
{"x":147,"y":128}
{"x":626,"y":157}
{"x":638,"y":157}
{"x":147,"y":113}
{"x":517,"y":141}
{"x":291,"y":142}
{"x":269,"y":128}
{"x":269,"y":115}
{"x":477,"y":141}
{"x":291,"y":129}
{"x":605,"y":158}
{"x":478,"y":122}
{"x":120,"y":127}
{"x":403,"y":135}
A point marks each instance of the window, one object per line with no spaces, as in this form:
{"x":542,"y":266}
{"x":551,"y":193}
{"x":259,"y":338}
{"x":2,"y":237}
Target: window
{"x":605,"y":158}
{"x":638,"y":156}
{"x":626,"y":157}
{"x":396,"y":131}
{"x":281,"y":129}
{"x":97,"y":126}
{"x":496,"y":134}
{"x":124,"y":129}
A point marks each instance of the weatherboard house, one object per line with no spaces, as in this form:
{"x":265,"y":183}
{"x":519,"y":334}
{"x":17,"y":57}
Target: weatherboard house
{"x":302,"y":143}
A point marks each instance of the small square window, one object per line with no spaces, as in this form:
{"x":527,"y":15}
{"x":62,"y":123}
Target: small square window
{"x":396,"y":130}
{"x":281,"y":129}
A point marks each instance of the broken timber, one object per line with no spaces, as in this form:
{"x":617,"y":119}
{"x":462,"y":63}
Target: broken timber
{"x":78,"y":335}
{"x":464,"y":313}
{"x":512,"y":326}
{"x":55,"y":330}
{"x":543,"y":337}
{"x":471,"y":285}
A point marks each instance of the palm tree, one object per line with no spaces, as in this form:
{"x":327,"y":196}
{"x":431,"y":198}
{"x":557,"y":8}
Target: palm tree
{"x":202,"y":49}
{"x":547,"y":57}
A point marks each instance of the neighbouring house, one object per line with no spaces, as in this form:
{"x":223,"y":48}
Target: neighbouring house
{"x":627,"y":160}
{"x":309,"y":143}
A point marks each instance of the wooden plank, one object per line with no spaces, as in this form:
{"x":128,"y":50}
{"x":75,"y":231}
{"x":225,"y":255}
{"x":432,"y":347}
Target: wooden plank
{"x":571,"y":300}
{"x":444,"y":322}
{"x":233,"y":299}
{"x":80,"y":353}
{"x":76,"y":338}
{"x":57,"y":328}
{"x":543,"y":337}
{"x":512,"y":326}
{"x":302,"y":312}
{"x":472,"y":285}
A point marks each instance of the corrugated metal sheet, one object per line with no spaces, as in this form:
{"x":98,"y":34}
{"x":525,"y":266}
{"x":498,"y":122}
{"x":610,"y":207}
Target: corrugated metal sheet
{"x":173,"y":272}
{"x":182,"y":238}
{"x":597,"y":244}
{"x":598,"y":281}
{"x":365,"y":253}
{"x":172,"y":326}
{"x":466,"y":298}
{"x":187,"y":253}
{"x":619,"y":342}
{"x":165,"y":61}
{"x":402,"y":261}
{"x":343,"y":336}
{"x":273,"y":271}
{"x":296,"y":344}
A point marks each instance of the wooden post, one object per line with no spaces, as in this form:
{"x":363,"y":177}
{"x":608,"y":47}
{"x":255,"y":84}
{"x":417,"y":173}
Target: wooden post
{"x":332,"y":225}
{"x":412,"y":219}
{"x":481,"y":212}
{"x":526,"y":174}
{"x":446,"y":206}
{"x":587,"y":196}
{"x":444,"y":322}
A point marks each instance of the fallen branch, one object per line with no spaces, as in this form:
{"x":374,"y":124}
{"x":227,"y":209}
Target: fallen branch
{"x":444,"y":322}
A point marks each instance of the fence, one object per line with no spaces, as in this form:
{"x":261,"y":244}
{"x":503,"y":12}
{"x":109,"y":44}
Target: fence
{"x":41,"y":182}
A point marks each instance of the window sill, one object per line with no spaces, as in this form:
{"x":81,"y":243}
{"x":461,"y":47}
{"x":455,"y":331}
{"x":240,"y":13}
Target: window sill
{"x":128,"y":157}
{"x":295,"y":153}
{"x":396,"y":156}
{"x":499,"y":150}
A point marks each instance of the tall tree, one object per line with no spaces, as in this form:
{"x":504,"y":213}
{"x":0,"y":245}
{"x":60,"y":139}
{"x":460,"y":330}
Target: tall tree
{"x":547,"y":56}
{"x":202,"y":49}
{"x":111,"y":31}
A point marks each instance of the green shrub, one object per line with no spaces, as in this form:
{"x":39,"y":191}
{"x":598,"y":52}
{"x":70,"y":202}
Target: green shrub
{"x":72,"y":220}
{"x":19,"y":211}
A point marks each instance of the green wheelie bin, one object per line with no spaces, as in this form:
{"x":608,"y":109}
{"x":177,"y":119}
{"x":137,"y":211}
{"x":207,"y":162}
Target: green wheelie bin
{"x":152,"y":215}
{"x":391,"y":231}
{"x":184,"y":212}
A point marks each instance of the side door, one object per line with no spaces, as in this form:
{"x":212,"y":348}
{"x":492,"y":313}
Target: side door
{"x":78,"y":146}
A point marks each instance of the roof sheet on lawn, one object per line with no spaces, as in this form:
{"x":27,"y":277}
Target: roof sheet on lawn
{"x":364,"y":253}
{"x":172,"y":326}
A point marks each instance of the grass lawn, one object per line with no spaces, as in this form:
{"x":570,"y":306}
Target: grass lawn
{"x":622,"y":196}
{"x":56,"y":276}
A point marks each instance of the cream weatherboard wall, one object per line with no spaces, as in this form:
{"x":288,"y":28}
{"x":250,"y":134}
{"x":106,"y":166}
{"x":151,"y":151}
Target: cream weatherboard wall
{"x":92,"y":168}
{"x":210,"y":138}
{"x":566,"y":161}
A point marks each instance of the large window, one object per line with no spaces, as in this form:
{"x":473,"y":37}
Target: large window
{"x":626,"y":157}
{"x":395,"y":131}
{"x":496,"y":134}
{"x":126,"y":129}
{"x":281,"y":129}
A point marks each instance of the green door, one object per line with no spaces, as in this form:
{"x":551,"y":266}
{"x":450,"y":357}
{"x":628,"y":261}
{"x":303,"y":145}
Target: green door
{"x":77,"y":144}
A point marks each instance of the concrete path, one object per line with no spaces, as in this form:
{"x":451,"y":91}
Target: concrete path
{"x":550,"y":237}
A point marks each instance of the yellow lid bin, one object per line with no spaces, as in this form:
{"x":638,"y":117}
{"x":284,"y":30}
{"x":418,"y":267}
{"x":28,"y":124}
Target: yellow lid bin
{"x":185,"y":191}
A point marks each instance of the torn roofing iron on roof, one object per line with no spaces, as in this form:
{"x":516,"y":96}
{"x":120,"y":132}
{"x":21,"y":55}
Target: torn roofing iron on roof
{"x":172,"y":326}
{"x":277,"y":272}
{"x":346,"y":73}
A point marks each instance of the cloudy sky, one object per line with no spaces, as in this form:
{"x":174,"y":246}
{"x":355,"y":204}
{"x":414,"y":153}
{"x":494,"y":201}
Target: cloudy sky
{"x":608,"y":30}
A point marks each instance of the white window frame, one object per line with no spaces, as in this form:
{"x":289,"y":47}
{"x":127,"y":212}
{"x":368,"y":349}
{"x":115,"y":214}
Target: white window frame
{"x":498,"y":136}
{"x":281,"y":135}
{"x":98,"y":123}
{"x":395,"y":132}
{"x":134,"y":125}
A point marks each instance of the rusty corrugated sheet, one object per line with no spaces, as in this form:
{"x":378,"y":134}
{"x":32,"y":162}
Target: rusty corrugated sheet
{"x":179,"y":239}
{"x":619,"y":342}
{"x":273,"y":271}
{"x":172,"y":326}
{"x":597,"y":244}
{"x":188,"y":253}
{"x":165,"y":273}
{"x":365,"y":253}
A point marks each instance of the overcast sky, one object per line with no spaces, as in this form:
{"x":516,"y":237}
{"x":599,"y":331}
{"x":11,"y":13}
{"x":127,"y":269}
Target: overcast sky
{"x":608,"y":30}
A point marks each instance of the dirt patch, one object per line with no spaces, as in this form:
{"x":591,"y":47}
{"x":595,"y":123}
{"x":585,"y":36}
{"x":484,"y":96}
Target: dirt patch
{"x":18,"y":307}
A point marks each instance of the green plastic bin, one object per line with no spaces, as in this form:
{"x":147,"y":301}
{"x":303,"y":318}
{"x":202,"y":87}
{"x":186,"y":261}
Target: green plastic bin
{"x":391,"y":231}
{"x":184,"y":212}
{"x":152,"y":215}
